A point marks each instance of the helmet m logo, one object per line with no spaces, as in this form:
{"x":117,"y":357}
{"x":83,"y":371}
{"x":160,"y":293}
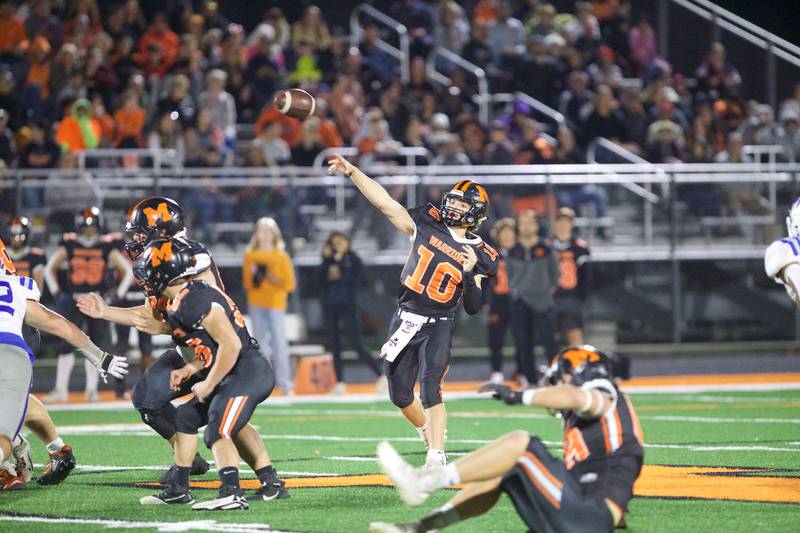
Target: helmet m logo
{"x":159,"y":213}
{"x":580,"y":357}
{"x":160,"y":255}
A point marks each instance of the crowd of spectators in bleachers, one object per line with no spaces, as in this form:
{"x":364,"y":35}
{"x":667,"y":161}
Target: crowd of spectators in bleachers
{"x":78,"y":74}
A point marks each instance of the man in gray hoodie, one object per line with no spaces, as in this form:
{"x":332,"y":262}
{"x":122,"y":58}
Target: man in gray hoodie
{"x":533,"y":270}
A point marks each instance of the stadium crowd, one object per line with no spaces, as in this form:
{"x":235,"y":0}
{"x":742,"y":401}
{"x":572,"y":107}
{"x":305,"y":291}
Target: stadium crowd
{"x":82,"y":74}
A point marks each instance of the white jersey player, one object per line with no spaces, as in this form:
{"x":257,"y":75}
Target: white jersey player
{"x":782,"y":259}
{"x":19,"y":305}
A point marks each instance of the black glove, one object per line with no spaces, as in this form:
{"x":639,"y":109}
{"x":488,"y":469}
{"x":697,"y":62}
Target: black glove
{"x":503,"y":392}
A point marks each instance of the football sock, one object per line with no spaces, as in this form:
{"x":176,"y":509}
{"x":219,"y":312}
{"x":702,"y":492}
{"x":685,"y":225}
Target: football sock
{"x":182,"y":476}
{"x":423,"y":430}
{"x":57,"y":444}
{"x":453,"y":477}
{"x":229,"y":476}
{"x":441,"y":518}
{"x":92,"y":377}
{"x":266,"y":473}
{"x":63,"y":371}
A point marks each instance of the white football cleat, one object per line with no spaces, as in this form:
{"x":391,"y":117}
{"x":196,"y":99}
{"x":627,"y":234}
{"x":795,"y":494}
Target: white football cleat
{"x":435,"y":459}
{"x":413,"y":484}
{"x":223,"y":503}
{"x":384,"y":527}
{"x":22,"y":459}
{"x":56,"y":396}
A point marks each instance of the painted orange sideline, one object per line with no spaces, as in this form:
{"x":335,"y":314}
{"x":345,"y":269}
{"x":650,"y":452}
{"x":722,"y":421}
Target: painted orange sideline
{"x":696,"y":482}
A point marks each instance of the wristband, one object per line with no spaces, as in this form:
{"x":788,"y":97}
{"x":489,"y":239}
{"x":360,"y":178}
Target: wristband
{"x":528,"y":396}
{"x":92,"y":353}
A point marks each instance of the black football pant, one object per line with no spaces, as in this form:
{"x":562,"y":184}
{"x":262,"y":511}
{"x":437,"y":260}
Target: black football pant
{"x":499,"y":323}
{"x":229,"y":408}
{"x":549,"y":498}
{"x":152,"y":395}
{"x":338,"y":320}
{"x":426,"y":356}
{"x":526,"y":323}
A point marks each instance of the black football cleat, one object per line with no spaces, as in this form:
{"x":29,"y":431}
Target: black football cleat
{"x":272,"y":490}
{"x":58,"y":468}
{"x":172,"y":495}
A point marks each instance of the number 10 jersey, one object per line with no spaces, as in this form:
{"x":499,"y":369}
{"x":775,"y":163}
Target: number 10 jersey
{"x":432,"y":280}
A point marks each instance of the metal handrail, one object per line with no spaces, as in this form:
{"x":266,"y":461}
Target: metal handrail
{"x":482,"y":98}
{"x":402,"y":54}
{"x":720,"y":18}
{"x":553,"y":114}
{"x":159,"y":155}
{"x":627,"y":155}
{"x":409,"y":152}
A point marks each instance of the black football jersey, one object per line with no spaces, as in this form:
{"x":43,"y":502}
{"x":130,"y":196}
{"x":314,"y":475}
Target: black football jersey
{"x":188,"y":309}
{"x":606,"y":453}
{"x":28,"y":261}
{"x":574,"y":268}
{"x":431,"y":282}
{"x":87,"y":264}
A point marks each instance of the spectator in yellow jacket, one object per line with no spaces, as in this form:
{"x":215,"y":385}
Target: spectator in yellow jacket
{"x":268,"y":278}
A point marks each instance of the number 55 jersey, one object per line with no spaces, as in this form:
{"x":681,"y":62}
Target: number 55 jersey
{"x":431,"y":282}
{"x":88,"y":263}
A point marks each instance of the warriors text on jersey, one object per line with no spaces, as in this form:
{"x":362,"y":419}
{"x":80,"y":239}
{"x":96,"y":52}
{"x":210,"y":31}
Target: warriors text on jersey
{"x":28,"y":260}
{"x":431,"y":282}
{"x":88,"y":263}
{"x":606,"y":453}
{"x":188,"y":309}
{"x":574,"y":256}
{"x":15,"y":291}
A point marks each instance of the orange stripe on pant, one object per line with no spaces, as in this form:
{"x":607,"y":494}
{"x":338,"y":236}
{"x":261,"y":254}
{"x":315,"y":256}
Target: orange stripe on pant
{"x":553,"y":479}
{"x":227,"y":434}
{"x":555,"y":503}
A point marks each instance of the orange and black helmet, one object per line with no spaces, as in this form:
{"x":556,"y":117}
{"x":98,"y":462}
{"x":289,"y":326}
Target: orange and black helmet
{"x":472,"y":193}
{"x":583,"y":362}
{"x":152,"y":218}
{"x":164,"y":261}
{"x":91,"y":217}
{"x":19,"y":231}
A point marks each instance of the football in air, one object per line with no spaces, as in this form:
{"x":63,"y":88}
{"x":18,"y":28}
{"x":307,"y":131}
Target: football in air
{"x":295,"y":103}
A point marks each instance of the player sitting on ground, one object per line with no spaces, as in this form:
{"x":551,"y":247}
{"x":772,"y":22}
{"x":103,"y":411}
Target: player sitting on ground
{"x":228,"y":375}
{"x":20,"y":305}
{"x":447,"y":261}
{"x":782,"y":258}
{"x":588,"y":491}
{"x":161,"y":217}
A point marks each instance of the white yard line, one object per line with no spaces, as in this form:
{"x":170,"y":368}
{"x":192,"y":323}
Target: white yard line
{"x":190,"y":525}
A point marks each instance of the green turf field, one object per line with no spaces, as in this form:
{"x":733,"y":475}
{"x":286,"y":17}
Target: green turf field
{"x":309,"y":443}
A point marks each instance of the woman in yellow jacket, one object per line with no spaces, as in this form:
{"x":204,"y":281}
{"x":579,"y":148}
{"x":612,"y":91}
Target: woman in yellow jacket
{"x":268,"y":278}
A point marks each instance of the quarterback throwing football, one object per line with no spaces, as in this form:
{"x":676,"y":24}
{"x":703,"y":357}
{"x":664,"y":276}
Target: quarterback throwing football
{"x":447,"y":262}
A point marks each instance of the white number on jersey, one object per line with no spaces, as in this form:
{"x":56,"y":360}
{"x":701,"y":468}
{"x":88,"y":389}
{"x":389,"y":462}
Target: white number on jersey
{"x":15,"y":291}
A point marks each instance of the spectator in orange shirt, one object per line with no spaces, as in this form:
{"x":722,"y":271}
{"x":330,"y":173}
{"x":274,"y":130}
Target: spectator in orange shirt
{"x":130,"y":122}
{"x":292,"y":128}
{"x":79,"y":130}
{"x":105,"y":120}
{"x":13,"y":39}
{"x":37,"y":76}
{"x":160,"y":33}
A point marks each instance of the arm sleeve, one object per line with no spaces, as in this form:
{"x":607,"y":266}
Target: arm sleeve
{"x":472,"y":294}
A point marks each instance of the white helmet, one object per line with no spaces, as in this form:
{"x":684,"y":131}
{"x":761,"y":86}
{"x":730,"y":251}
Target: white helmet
{"x":793,"y":220}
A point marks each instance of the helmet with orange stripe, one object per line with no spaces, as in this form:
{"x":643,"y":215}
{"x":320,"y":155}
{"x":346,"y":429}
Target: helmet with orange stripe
{"x":583,"y":363}
{"x":465,"y":204}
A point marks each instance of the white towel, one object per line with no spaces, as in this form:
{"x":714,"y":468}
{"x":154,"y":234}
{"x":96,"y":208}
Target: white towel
{"x":409,"y":326}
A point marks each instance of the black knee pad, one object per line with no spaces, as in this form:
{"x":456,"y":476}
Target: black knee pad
{"x":210,"y":437}
{"x":430,"y":393}
{"x":162,"y":421}
{"x":401,"y":396}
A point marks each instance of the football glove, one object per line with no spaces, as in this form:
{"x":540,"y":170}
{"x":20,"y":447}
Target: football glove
{"x":504,"y":393}
{"x":112,"y":365}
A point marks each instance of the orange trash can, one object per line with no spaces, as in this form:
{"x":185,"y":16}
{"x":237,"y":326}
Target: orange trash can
{"x":314,"y":374}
